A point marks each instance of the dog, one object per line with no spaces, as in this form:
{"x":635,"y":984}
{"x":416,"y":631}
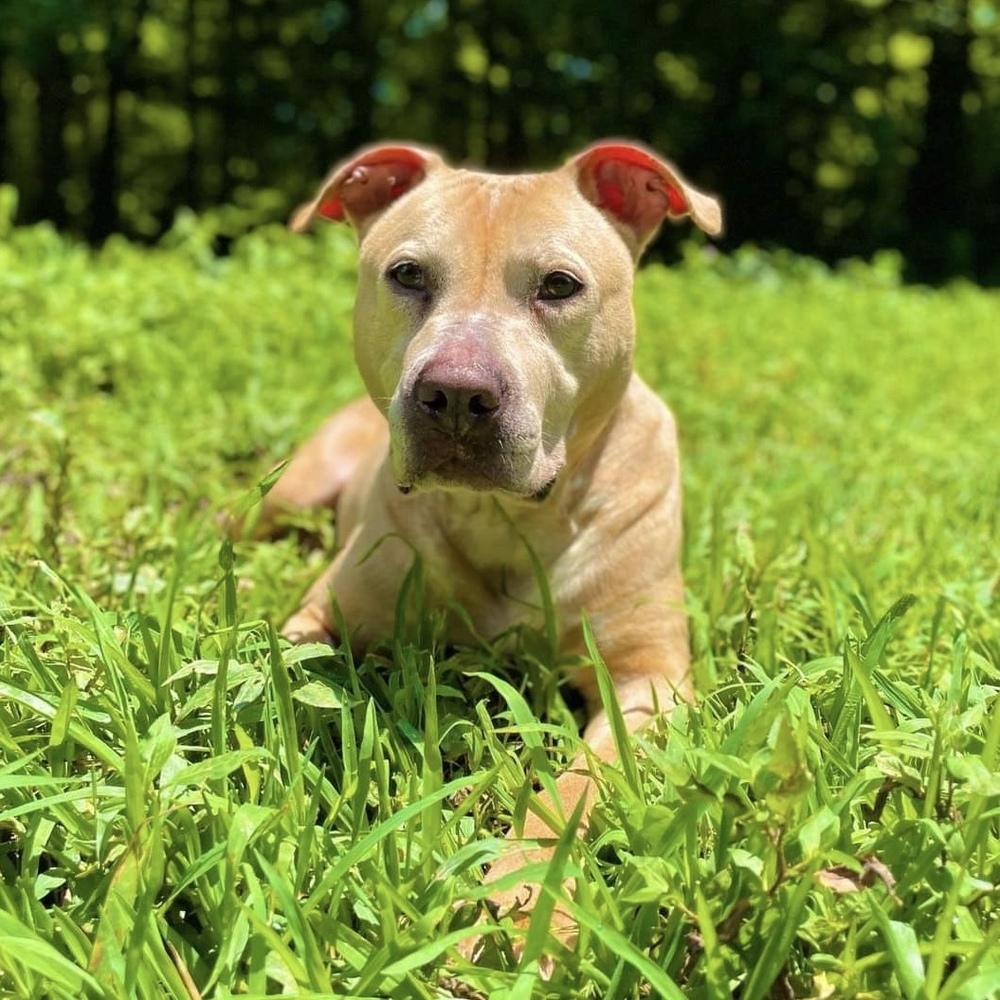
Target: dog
{"x":504,"y":427}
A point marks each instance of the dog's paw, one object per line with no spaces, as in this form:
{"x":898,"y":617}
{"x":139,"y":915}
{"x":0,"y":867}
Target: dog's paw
{"x":508,"y":949}
{"x":513,"y":913}
{"x":307,"y":626}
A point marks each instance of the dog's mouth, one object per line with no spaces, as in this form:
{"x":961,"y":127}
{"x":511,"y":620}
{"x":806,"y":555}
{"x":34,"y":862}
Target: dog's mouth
{"x":509,"y":471}
{"x":543,"y":494}
{"x":538,"y":496}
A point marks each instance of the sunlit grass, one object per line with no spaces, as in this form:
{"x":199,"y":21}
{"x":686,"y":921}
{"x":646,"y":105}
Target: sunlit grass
{"x":189,"y":807}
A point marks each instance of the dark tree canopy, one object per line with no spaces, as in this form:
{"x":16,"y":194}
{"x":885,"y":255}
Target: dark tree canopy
{"x":833,"y":127}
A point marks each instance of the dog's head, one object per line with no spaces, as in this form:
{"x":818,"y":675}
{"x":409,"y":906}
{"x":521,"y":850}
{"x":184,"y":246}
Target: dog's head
{"x":493,"y":321}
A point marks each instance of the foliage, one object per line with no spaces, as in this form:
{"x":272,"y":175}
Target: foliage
{"x":838,"y":127}
{"x":189,"y":807}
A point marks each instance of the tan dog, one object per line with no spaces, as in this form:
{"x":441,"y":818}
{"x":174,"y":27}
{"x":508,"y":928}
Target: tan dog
{"x":494,"y":332}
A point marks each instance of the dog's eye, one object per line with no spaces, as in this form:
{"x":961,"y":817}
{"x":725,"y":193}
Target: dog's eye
{"x":409,"y":274}
{"x":558,"y":285}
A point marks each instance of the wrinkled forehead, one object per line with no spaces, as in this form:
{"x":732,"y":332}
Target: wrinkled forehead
{"x":495,"y":215}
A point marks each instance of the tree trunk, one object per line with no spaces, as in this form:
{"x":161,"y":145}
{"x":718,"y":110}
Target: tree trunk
{"x":940,"y":243}
{"x":6,"y":173}
{"x":190,"y":185}
{"x":54,"y":97}
{"x":105,"y":166}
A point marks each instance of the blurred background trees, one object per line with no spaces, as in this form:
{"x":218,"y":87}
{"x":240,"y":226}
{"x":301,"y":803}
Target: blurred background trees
{"x":833,"y":127}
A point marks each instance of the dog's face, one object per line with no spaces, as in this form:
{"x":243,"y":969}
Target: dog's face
{"x":493,"y":321}
{"x":484,"y":318}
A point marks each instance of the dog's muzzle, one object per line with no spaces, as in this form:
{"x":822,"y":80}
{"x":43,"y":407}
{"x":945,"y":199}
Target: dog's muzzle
{"x":462,"y":425}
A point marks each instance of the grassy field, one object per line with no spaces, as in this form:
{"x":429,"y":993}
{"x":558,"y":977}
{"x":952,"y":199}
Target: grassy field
{"x":191,"y":808}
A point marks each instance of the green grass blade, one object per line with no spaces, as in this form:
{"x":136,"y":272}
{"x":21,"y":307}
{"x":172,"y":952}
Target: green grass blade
{"x":609,"y":699}
{"x":626,"y":951}
{"x":288,"y":728}
{"x":23,"y":949}
{"x":775,"y":952}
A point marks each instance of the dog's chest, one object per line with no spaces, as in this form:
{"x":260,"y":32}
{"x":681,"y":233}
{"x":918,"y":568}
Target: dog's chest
{"x":491,"y":561}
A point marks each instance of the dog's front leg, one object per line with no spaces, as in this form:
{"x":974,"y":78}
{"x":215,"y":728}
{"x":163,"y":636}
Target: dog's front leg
{"x":640,"y":699}
{"x":362,"y":581}
{"x":313,"y":621}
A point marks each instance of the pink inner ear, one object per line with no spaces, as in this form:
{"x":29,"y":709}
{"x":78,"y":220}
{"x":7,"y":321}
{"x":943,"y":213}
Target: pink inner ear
{"x":630,"y":185}
{"x":610,"y":196}
{"x":332,"y":209}
{"x":371,"y":182}
{"x":678,"y":206}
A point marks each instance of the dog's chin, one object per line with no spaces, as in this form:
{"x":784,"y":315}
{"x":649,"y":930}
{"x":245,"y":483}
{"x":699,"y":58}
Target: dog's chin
{"x":456,"y":477}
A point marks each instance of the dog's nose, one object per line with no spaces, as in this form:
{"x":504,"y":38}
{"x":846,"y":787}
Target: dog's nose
{"x":458,"y":399}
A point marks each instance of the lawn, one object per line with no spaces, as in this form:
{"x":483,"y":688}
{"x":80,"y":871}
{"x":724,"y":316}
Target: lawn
{"x":190,"y":808}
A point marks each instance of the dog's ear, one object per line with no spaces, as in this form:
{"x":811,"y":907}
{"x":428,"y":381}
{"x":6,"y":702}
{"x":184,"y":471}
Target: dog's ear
{"x":638,"y":190}
{"x":358,"y":189}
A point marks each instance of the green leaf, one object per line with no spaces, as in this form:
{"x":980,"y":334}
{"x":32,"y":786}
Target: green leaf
{"x":904,"y":952}
{"x":213,"y":769}
{"x":317,"y":694}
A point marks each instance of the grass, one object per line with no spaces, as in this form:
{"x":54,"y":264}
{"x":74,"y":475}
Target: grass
{"x":191,"y":808}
